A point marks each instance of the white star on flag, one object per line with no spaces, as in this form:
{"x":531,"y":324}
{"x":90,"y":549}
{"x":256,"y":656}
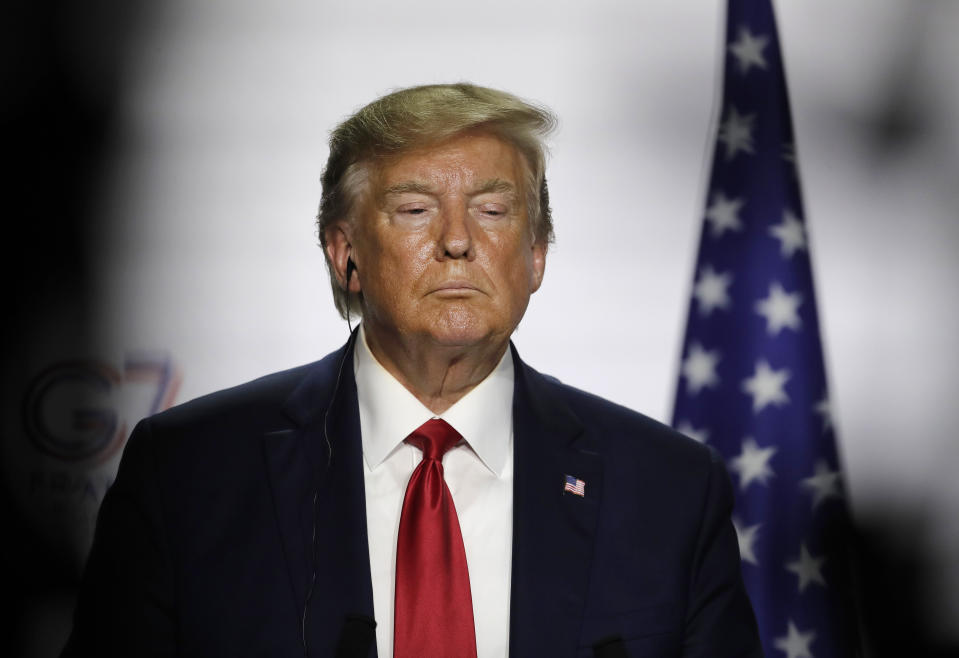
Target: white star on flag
{"x":807,"y":568}
{"x":748,"y":50}
{"x":790,"y":233}
{"x":823,"y":484}
{"x":736,"y":133}
{"x":752,"y":464}
{"x":712,"y":290}
{"x":780,"y":308}
{"x":766,"y":386}
{"x":723,"y":214}
{"x":789,"y":154}
{"x":795,"y":644}
{"x":747,"y":536}
{"x":695,"y":433}
{"x":699,"y":368}
{"x":823,"y":409}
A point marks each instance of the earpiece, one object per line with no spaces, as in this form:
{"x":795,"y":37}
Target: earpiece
{"x":350,"y":268}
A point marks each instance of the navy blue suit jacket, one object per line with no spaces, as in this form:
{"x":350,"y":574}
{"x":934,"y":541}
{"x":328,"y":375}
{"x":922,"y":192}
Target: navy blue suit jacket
{"x":203,"y":544}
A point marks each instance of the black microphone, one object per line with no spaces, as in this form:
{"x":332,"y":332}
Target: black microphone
{"x":357,"y":637}
{"x":610,"y":647}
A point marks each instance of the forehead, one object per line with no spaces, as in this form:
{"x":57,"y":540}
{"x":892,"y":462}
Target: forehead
{"x":453,"y":165}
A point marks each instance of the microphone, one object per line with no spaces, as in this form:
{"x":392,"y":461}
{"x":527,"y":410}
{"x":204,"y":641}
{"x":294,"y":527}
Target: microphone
{"x":610,"y":647}
{"x":356,"y":638}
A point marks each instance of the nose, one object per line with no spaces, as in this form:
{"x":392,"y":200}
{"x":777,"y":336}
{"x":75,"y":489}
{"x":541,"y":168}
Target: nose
{"x":456,"y":238}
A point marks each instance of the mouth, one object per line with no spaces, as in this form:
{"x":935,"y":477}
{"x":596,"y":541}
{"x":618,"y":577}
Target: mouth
{"x":455,"y":288}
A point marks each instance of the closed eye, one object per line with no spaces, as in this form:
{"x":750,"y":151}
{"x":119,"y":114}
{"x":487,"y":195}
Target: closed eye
{"x":493,"y":210}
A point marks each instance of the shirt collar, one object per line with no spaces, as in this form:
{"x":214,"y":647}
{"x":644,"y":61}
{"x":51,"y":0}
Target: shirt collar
{"x":389,"y":412}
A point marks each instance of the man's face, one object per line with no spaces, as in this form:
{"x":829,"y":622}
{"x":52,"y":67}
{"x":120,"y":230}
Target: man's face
{"x":443,"y":247}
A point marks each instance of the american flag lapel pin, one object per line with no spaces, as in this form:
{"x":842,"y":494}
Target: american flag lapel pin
{"x":575,"y":485}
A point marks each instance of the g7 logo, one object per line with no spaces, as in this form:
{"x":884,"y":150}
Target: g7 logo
{"x":70,"y":409}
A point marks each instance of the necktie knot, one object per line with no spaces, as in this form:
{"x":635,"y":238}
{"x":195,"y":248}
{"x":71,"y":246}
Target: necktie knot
{"x":434,"y":437}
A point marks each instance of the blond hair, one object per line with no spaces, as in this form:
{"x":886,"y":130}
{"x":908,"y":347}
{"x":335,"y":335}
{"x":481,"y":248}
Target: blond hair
{"x":412,"y":118}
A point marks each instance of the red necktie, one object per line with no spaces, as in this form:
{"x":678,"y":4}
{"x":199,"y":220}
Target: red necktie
{"x":433,"y":615}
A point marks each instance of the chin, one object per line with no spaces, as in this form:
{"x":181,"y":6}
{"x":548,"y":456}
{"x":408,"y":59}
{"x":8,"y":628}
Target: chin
{"x":461,"y":328}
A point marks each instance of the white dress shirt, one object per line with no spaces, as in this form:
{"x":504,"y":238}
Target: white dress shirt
{"x":478,"y":472}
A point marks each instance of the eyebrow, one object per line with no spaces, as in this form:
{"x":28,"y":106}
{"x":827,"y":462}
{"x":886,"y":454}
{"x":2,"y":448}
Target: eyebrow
{"x":407,"y":187}
{"x":494,"y":185}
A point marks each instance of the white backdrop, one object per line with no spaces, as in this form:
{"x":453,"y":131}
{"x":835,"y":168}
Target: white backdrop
{"x":209,"y":249}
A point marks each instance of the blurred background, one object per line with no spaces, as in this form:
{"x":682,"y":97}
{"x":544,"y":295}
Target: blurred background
{"x":164,"y":163}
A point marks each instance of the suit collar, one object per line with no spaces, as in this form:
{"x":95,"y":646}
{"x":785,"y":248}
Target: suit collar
{"x":313,"y":397}
{"x":553,"y":530}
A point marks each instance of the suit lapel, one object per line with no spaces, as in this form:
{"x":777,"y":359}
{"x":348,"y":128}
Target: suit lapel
{"x":320,"y":457}
{"x":553,"y":530}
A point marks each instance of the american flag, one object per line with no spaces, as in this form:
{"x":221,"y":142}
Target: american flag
{"x":575,"y":485}
{"x":752,"y":381}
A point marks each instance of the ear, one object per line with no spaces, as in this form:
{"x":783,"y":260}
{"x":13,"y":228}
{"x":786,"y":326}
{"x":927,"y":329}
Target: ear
{"x":539,"y":265}
{"x":339,"y":249}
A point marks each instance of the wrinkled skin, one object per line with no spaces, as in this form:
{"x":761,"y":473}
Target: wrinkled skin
{"x":445,"y":260}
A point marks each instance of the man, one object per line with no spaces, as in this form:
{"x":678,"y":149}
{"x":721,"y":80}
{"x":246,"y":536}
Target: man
{"x":422,"y":476}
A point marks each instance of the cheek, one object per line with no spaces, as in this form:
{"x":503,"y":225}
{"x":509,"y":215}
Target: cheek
{"x":511,"y":262}
{"x":402,"y":261}
{"x":414,"y":255}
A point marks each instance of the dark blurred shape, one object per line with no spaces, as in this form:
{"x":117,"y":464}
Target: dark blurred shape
{"x":905,"y":115}
{"x":61,"y":69}
{"x":902,"y":117}
{"x":895,"y":604}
